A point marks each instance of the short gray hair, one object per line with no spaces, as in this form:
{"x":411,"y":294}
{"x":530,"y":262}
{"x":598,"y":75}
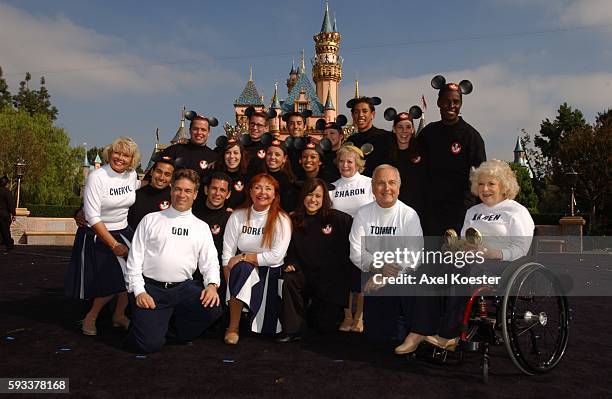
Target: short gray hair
{"x":386,"y":166}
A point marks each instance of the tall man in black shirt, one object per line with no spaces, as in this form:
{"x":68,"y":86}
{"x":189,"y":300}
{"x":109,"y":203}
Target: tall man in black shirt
{"x":363,"y":113}
{"x":195,"y":154}
{"x":7,"y":214}
{"x":451,"y":147}
{"x":156,"y":195}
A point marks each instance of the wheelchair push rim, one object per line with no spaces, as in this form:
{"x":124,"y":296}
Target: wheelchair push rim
{"x":535,"y":319}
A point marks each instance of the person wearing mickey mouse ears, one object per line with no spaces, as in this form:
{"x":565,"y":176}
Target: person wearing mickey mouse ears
{"x":195,"y":154}
{"x":406,"y":154}
{"x":258,"y":138}
{"x":451,"y":148}
{"x":155,"y":196}
{"x":374,"y":142}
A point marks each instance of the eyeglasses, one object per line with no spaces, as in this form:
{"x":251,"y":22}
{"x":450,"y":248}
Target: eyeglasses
{"x":257,"y":125}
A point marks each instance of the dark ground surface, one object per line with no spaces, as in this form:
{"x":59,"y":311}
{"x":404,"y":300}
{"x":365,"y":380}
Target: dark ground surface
{"x":47,"y":343}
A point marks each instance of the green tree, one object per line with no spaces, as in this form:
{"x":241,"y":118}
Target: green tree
{"x":53,"y":170}
{"x":34,"y":101}
{"x":526,"y":196}
{"x":5,"y":95}
{"x":588,"y":152}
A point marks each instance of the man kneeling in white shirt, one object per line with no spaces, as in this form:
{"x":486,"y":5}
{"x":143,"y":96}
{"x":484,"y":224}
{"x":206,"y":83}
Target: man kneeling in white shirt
{"x":166,"y":249}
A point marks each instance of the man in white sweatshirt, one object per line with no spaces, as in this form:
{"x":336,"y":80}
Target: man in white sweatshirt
{"x":166,"y":249}
{"x":387,"y":225}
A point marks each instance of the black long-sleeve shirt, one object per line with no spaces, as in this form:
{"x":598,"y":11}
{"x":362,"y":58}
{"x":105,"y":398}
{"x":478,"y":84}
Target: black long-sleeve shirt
{"x":148,"y":199}
{"x":195,"y":157}
{"x":321,"y":250}
{"x":450,"y":152}
{"x":7,"y":205}
{"x":381,"y":140}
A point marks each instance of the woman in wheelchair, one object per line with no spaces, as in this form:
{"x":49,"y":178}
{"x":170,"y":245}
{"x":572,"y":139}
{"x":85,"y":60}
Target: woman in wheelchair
{"x":504,"y":226}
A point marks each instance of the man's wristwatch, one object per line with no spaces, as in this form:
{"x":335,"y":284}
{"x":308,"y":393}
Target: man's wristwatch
{"x":213,"y":284}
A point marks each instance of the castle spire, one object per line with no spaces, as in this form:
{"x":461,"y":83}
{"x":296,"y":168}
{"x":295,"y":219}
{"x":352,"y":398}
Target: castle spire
{"x":275,"y":104}
{"x":335,"y":27}
{"x":293,"y":71}
{"x":302,"y":67}
{"x":356,"y":88}
{"x":181,"y":132}
{"x":86,"y":163}
{"x":326,"y":26}
{"x":329,"y":104}
{"x":250,"y":73}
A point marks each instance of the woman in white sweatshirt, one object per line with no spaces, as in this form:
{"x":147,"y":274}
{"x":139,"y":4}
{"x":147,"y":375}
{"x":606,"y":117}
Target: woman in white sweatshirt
{"x":96,"y":269}
{"x":255,"y":242}
{"x":353,"y":190}
{"x":505,"y":225}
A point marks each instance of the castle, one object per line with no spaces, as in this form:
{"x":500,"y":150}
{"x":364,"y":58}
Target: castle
{"x":321,"y":98}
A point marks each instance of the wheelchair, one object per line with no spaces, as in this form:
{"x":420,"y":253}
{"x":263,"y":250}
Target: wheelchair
{"x":530,"y":317}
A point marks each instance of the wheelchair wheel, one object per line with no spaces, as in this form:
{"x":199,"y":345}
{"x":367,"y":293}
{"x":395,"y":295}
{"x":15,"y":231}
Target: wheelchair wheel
{"x":535,"y":319}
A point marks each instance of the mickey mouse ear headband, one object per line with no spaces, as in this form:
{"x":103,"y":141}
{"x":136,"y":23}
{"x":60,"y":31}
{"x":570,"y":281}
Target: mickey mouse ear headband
{"x":413,"y":113}
{"x":340,"y":122}
{"x":439,"y":83}
{"x":304,"y":114}
{"x":245,"y":139}
{"x":374,"y":101}
{"x":193,"y":115}
{"x":165,"y":159}
{"x":251,"y":111}
{"x":304,"y":143}
{"x":280,"y":144}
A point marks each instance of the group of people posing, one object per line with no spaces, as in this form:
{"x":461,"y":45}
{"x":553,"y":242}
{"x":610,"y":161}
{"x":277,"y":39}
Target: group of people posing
{"x":276,"y":229}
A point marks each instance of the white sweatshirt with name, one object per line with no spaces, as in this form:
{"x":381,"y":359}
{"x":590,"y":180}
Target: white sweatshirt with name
{"x":379,"y":226}
{"x":108,"y":195}
{"x":506,"y":226}
{"x":352,"y":193}
{"x":245,"y":236}
{"x":168,"y":246}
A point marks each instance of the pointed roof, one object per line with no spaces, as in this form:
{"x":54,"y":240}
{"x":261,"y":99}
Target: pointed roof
{"x":329,"y":104}
{"x":335,"y":27}
{"x":519,"y":145}
{"x":326,"y":26}
{"x":304,"y":83}
{"x":356,"y":88}
{"x":98,"y":160}
{"x":292,"y":68}
{"x":181,"y":132}
{"x":86,"y":163}
{"x":249,"y":95}
{"x":302,"y":68}
{"x":275,"y":104}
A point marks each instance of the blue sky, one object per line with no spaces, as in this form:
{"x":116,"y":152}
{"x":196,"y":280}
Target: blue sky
{"x":125,"y":68}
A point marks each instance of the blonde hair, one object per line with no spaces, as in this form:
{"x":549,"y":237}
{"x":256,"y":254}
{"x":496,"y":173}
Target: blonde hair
{"x":499,"y":170}
{"x":126,"y":144}
{"x":351,"y":149}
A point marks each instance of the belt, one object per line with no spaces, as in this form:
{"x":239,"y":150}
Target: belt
{"x":161,"y":284}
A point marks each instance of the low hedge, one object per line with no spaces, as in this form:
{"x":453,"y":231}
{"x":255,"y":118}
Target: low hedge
{"x":52,"y":211}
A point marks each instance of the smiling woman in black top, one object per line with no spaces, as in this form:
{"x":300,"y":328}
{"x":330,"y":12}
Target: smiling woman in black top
{"x":317,"y":265}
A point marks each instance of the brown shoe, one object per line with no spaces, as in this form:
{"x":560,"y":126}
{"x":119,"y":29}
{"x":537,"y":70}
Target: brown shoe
{"x":444,"y":343}
{"x":122,"y":322}
{"x":88,"y":327}
{"x":231,"y":337}
{"x":408,"y":346}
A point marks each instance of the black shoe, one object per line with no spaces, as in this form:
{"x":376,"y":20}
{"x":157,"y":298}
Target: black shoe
{"x":286,"y":338}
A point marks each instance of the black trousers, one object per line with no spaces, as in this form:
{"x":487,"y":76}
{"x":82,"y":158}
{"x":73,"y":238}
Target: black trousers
{"x":297,"y":312}
{"x":148,"y":327}
{"x":390,"y":317}
{"x":5,"y":231}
